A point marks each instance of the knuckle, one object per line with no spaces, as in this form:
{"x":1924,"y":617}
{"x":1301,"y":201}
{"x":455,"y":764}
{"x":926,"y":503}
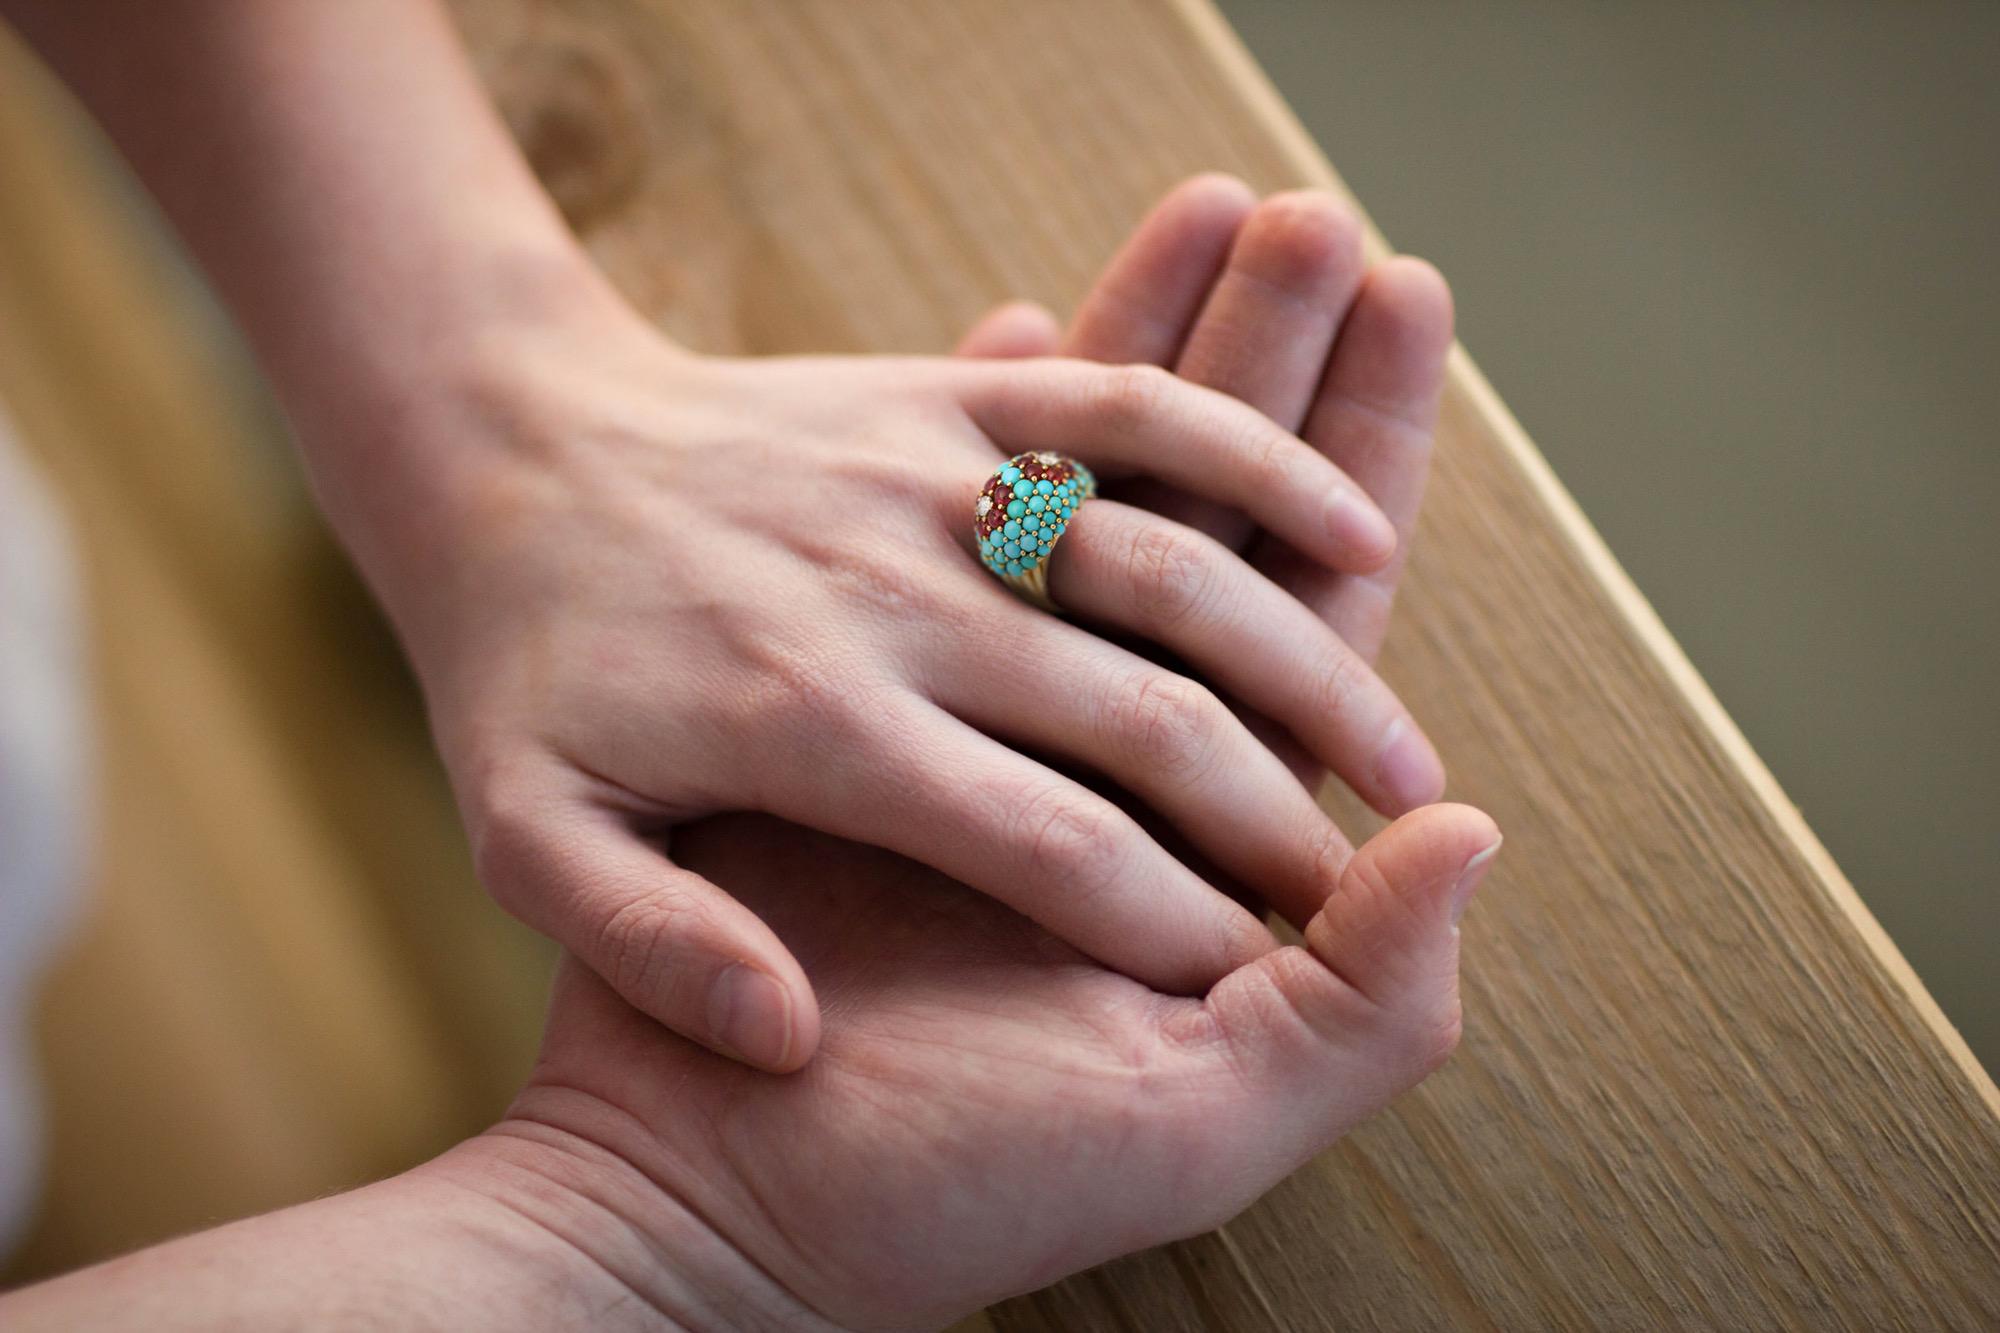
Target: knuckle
{"x":1169,"y":574}
{"x":1066,"y":838}
{"x":1329,"y":853}
{"x":505,"y":832}
{"x":885,"y":577}
{"x":794,"y":684}
{"x":1127,"y":397}
{"x":1269,"y":457}
{"x":1343,"y":679}
{"x":1167,"y":721}
{"x":634,"y":944}
{"x":1427,"y":285}
{"x":1429,"y":1040}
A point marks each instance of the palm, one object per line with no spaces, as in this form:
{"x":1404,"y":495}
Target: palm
{"x":990,"y":1110}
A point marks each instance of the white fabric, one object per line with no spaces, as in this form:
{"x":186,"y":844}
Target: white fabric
{"x":44,"y":758}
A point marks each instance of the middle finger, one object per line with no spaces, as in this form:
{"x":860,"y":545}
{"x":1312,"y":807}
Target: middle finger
{"x":1164,"y":738}
{"x":1176,"y":587}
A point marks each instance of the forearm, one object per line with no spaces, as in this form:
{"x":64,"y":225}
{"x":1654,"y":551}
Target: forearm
{"x":501,"y":1233}
{"x":335,"y":167}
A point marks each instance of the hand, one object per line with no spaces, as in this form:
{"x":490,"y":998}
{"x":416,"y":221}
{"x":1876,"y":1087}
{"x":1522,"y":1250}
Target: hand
{"x":1274,"y":304}
{"x":989,"y":1110}
{"x":696,"y":585}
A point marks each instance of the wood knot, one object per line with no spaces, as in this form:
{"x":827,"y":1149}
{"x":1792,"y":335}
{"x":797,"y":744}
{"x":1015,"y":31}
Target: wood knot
{"x":570,"y":100}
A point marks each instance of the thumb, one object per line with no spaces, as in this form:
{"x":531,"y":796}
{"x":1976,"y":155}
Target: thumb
{"x":1371,"y":1005}
{"x":671,"y":943}
{"x":1016,"y":329}
{"x":1390,"y":930}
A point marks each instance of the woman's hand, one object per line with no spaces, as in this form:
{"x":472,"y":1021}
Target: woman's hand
{"x":640,"y":586}
{"x":991,"y":1111}
{"x":657,"y":586}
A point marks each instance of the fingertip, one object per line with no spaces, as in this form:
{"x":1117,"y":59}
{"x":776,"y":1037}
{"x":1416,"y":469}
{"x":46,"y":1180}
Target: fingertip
{"x":804,"y":1019}
{"x":1409,"y":773}
{"x":1397,"y":893}
{"x":1142,"y":306}
{"x":1418,"y":298}
{"x":754,"y":1017}
{"x":1472,"y":876}
{"x":1437,"y":840}
{"x":1301,"y":241}
{"x":1011,"y":330}
{"x":1213,"y":195}
{"x":1364,"y":538}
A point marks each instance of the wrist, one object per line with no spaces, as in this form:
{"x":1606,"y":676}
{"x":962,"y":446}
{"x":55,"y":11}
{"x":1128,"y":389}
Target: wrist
{"x":430,"y":465}
{"x":572,"y":1216}
{"x":487,"y":1236}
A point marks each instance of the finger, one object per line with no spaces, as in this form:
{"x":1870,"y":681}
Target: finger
{"x":1370,"y":1006}
{"x":1141,"y":419}
{"x":1016,"y":329}
{"x":1374,"y":416}
{"x":1265,"y":331}
{"x":1190,"y":594}
{"x":670,"y":942}
{"x":1040,"y":842}
{"x":1142,"y":306}
{"x":1166,"y":740}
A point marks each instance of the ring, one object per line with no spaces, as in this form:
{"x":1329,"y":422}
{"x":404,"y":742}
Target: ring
{"x":1020,"y":513}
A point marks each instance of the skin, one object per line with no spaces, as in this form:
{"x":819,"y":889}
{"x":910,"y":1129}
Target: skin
{"x":640,"y":586}
{"x":991,"y":1106}
{"x":990,"y":1109}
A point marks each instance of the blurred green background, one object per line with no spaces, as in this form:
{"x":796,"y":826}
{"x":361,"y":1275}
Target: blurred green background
{"x":1734,"y":269}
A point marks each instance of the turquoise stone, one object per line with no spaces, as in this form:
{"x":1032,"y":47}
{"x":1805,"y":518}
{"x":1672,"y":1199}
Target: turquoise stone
{"x":1037,"y":510}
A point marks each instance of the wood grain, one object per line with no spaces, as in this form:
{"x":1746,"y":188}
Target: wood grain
{"x":1699,"y":1087}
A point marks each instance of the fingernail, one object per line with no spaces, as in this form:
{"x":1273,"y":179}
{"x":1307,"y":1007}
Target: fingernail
{"x":1468,"y":880}
{"x":1360,"y":527}
{"x":749,"y":1012}
{"x":1409,"y":771}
